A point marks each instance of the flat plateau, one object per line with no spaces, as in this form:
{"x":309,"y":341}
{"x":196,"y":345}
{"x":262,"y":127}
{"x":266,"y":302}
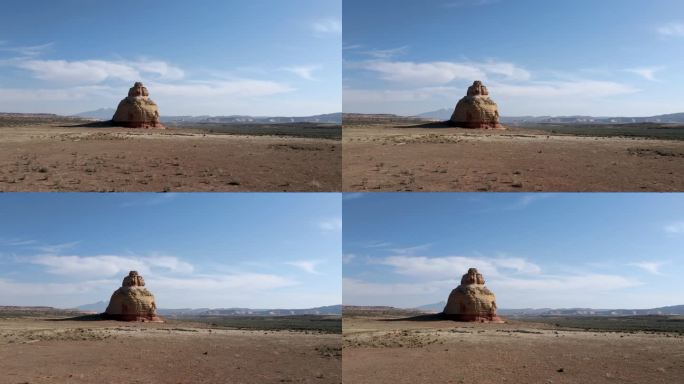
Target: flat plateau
{"x":395,"y":349}
{"x":43,"y":350}
{"x":411,"y":155}
{"x":67,"y":155}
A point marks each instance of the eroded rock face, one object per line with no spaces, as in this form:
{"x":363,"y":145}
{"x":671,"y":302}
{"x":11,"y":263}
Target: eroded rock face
{"x":476,"y":109}
{"x":137,"y":110}
{"x":132,"y":302}
{"x":472,"y":301}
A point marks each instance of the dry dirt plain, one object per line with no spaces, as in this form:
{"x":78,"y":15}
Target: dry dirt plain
{"x":411,"y":155}
{"x":52,"y":154}
{"x":39,"y":350}
{"x":382,"y":349}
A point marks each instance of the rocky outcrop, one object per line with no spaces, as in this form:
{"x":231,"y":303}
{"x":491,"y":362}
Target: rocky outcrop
{"x":472,"y":301}
{"x":137,"y":110}
{"x":132,"y":302}
{"x":476,"y":109}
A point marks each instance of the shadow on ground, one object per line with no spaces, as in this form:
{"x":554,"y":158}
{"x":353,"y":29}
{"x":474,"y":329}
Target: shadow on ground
{"x":426,"y":317}
{"x":429,"y":125}
{"x":91,"y":124}
{"x":95,"y":317}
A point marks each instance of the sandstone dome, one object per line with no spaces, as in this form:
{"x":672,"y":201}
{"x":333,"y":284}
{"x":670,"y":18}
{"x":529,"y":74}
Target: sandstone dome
{"x":137,"y":110}
{"x":476,"y":109}
{"x":472,"y":301}
{"x":132,"y":302}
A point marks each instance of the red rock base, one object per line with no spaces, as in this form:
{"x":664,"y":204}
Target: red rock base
{"x":473,"y":125}
{"x":475,"y":318}
{"x":138,"y":124}
{"x":145,"y":319}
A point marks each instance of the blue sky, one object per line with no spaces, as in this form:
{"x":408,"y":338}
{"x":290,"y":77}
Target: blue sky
{"x":194,"y":250}
{"x":537,"y":57}
{"x":535,"y":250}
{"x":264,"y":57}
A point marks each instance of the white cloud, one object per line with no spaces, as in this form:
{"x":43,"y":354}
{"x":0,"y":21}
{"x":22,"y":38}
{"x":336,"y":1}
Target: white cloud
{"x":366,"y":96}
{"x":207,"y":89}
{"x":429,"y":268}
{"x":330,"y":26}
{"x":508,"y":70}
{"x":562,"y":88}
{"x":675,"y":228}
{"x":440,"y":72}
{"x":56,"y":248}
{"x":646,"y":73}
{"x":303,"y":71}
{"x":308,"y":266}
{"x":434,"y":73}
{"x":648,"y":266}
{"x":352,"y":195}
{"x":468,"y":3}
{"x":571,"y":283}
{"x":672,"y":29}
{"x":348,"y":258}
{"x":330,"y":225}
{"x":410,"y":250}
{"x":98,"y":71}
{"x":386,"y":53}
{"x":243,"y":282}
{"x":16,"y":242}
{"x":26,"y":51}
{"x":109,"y":265}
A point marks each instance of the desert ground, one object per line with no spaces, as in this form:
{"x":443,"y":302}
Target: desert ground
{"x":48,"y":153}
{"x":54,"y":349}
{"x":382,"y":347}
{"x":383,"y":153}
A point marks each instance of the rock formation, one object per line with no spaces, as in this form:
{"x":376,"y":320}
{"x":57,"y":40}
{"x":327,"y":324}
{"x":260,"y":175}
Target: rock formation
{"x":132,"y":302}
{"x":137,"y":110}
{"x":472,"y":301}
{"x":476,"y":109}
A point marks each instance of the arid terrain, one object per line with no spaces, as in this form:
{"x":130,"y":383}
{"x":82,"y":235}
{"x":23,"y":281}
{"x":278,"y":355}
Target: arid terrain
{"x":55,"y":349}
{"x":49,"y":153}
{"x":384,"y":153}
{"x":386,"y":347}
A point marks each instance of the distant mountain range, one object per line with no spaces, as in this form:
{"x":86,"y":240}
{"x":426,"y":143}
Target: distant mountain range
{"x":329,"y":118}
{"x":674,"y":118}
{"x":671,"y":310}
{"x":101,"y":306}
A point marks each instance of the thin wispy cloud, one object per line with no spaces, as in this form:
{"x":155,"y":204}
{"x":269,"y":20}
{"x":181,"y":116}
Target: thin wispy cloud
{"x":151,"y":200}
{"x":676,"y":228}
{"x":649,"y":266}
{"x":56,"y":248}
{"x":327,"y":27}
{"x":348,"y":258}
{"x":673,"y":29}
{"x":386,"y":54}
{"x":331,"y":225}
{"x":528,"y":199}
{"x":26,"y":51}
{"x":98,"y":71}
{"x":303,"y":71}
{"x":352,"y":195}
{"x":443,"y":267}
{"x":468,"y":3}
{"x":16,"y":242}
{"x":410,"y":250}
{"x":647,"y":73}
{"x":109,"y":265}
{"x":308,"y":266}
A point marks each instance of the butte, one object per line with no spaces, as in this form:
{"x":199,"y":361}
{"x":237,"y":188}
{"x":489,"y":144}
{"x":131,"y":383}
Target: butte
{"x":476,"y":109}
{"x":472,"y":301}
{"x":132,"y":302}
{"x":137,"y":110}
